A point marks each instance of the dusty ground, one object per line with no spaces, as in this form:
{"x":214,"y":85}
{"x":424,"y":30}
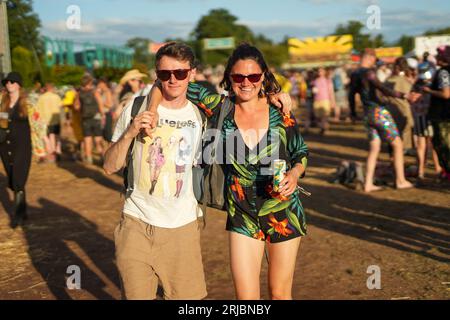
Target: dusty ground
{"x":74,"y":209}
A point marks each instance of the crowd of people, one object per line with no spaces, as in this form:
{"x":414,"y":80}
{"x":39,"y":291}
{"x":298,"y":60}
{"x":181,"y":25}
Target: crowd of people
{"x":419,"y":118}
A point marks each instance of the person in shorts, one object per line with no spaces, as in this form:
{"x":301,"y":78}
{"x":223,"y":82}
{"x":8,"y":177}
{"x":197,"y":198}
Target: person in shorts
{"x":158,"y":237}
{"x":90,"y":105}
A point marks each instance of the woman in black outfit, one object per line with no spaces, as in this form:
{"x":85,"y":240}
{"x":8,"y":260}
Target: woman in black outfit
{"x":15,"y":150}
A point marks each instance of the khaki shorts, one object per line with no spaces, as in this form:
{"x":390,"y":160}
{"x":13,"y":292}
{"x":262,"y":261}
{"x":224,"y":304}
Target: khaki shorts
{"x":147,"y":255}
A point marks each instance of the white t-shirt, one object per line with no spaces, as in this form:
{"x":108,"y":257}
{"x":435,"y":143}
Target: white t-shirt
{"x":163,"y":195}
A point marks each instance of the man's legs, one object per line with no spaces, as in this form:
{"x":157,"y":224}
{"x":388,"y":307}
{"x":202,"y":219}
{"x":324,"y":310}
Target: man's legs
{"x":399,"y":165}
{"x":178,"y":262}
{"x":421,"y":156}
{"x":375,"y":146}
{"x":88,"y":148}
{"x":134,"y":254}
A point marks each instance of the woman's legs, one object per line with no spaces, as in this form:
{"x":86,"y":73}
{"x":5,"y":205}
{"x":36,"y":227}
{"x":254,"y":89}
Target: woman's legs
{"x":88,"y":144}
{"x":421,"y":156}
{"x":437,"y":166}
{"x":282,"y":258}
{"x":400,"y":180}
{"x":245,"y":258}
{"x":375,"y":145}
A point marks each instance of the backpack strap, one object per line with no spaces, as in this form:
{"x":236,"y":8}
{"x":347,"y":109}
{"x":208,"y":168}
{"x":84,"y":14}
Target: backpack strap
{"x":129,"y":185}
{"x":203,"y":120}
{"x":225,"y":109}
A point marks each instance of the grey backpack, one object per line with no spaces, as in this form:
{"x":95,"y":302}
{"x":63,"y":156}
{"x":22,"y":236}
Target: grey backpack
{"x":208,"y":177}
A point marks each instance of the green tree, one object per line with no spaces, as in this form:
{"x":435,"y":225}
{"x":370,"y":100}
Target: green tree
{"x":436,"y":32}
{"x":67,"y":75}
{"x":23,"y":25}
{"x":354,"y":28}
{"x":141,"y":53}
{"x":218,"y":23}
{"x":406,"y":42}
{"x":274,"y":54}
{"x":22,"y":62}
{"x":378,"y":41}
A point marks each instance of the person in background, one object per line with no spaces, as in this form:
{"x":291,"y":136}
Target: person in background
{"x":49,"y":106}
{"x":302,"y":88}
{"x":89,"y":103}
{"x":15,"y":149}
{"x":130,"y":87}
{"x":295,"y":89}
{"x":108,"y":107}
{"x":383,"y":71}
{"x":285,"y":84}
{"x":423,"y":131}
{"x":400,"y":82}
{"x":309,"y":101}
{"x":201,"y":79}
{"x":379,"y":122}
{"x":324,"y":100}
{"x":340,"y":81}
{"x":75,"y":123}
{"x":39,"y":139}
{"x":439,"y":112}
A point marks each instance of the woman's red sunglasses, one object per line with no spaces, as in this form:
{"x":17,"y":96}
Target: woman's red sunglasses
{"x":253,"y":78}
{"x":180,"y":74}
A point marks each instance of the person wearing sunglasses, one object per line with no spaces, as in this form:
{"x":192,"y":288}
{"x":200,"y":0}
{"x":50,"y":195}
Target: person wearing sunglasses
{"x":158,"y":238}
{"x":15,"y":148}
{"x":256,"y":213}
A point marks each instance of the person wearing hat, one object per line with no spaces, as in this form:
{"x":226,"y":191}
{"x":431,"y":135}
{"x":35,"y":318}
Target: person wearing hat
{"x":131,"y":84}
{"x":15,"y":148}
{"x":439,"y":112}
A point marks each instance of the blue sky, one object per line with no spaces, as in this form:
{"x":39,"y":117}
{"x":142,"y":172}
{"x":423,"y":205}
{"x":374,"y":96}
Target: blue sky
{"x":115,"y":21}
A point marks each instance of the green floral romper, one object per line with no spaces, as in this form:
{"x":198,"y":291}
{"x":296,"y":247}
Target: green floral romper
{"x":254,"y":208}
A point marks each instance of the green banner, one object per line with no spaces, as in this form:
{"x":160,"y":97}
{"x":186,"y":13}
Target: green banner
{"x":218,"y":43}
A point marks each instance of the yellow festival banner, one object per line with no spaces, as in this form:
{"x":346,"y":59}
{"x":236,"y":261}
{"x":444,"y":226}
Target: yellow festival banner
{"x":389,"y":54}
{"x":320,"y":50}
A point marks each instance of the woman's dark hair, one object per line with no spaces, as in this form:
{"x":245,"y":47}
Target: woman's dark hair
{"x":23,"y":102}
{"x":246,"y":51}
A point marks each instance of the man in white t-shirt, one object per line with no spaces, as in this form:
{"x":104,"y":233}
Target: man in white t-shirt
{"x":158,"y":238}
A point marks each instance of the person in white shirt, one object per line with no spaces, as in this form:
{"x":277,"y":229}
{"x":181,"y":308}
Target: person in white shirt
{"x":158,"y":237}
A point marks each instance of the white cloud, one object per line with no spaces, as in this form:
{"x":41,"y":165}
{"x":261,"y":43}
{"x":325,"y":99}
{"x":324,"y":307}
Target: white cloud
{"x":118,"y":31}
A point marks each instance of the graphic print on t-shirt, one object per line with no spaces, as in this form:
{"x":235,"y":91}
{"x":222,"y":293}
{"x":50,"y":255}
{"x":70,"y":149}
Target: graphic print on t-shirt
{"x":164,"y":158}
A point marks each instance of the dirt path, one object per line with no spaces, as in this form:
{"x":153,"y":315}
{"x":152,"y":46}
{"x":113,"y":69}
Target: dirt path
{"x":74,"y":210}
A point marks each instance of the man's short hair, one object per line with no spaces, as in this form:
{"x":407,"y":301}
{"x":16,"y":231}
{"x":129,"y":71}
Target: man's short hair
{"x":177,"y":50}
